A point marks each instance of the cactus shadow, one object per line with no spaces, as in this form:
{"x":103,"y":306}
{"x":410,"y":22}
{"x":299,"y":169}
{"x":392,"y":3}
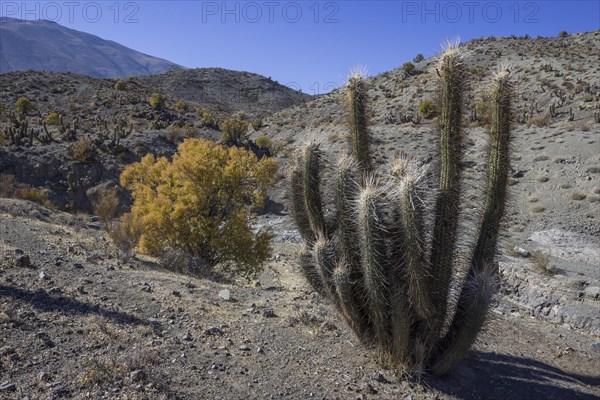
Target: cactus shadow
{"x":487,"y":375}
{"x":44,"y":301}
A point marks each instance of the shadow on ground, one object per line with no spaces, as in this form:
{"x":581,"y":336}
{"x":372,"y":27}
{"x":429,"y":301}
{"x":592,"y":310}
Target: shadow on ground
{"x":43,"y":301}
{"x":494,"y":376}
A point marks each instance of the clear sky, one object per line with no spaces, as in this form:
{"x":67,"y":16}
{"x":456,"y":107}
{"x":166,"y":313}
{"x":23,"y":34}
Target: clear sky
{"x":309,"y":45}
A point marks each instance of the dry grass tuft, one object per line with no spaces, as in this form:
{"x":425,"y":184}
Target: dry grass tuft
{"x":537,"y":208}
{"x":541,"y":263}
{"x":533,"y":198}
{"x":577,"y":195}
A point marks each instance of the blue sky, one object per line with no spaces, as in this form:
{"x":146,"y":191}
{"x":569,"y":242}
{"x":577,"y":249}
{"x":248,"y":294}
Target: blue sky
{"x":309,"y":45}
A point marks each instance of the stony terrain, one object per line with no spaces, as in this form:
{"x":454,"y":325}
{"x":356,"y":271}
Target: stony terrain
{"x":81,"y":320}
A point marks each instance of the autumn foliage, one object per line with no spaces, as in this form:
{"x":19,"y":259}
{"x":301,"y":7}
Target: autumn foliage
{"x":200,"y":203}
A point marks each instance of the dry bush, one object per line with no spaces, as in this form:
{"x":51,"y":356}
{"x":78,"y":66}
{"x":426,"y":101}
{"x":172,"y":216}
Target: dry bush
{"x":533,"y":198}
{"x":37,"y":195}
{"x":541,"y":263}
{"x":539,"y":121}
{"x":593,"y":198}
{"x":596,"y":190}
{"x":7,"y":185}
{"x":540,"y":158}
{"x":125,"y":232}
{"x":84,"y":150}
{"x":537,"y":208}
{"x":577,"y":195}
{"x":106,"y":207}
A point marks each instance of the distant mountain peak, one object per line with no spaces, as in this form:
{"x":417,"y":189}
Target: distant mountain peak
{"x":43,"y":45}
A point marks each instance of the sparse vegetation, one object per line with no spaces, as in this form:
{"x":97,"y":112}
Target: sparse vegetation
{"x":182,"y":106}
{"x":7,"y":185}
{"x":84,"y":150}
{"x":408,"y":68}
{"x":106,"y":207}
{"x":426,"y":109}
{"x":199,"y":202}
{"x":24,"y":106}
{"x":157,"y":101}
{"x":37,"y":195}
{"x":541,"y":263}
{"x":234,"y":131}
{"x":577,"y":196}
{"x":418,"y":58}
{"x":120,"y":85}
{"x":52,"y":119}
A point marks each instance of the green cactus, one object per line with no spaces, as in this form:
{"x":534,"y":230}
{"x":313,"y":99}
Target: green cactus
{"x":381,"y":260}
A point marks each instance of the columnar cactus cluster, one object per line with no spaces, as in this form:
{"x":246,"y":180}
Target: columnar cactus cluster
{"x":387,"y":257}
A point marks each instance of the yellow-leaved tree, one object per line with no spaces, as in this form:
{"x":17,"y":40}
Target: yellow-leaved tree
{"x":201,"y":203}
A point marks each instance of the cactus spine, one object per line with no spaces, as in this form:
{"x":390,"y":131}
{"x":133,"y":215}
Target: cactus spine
{"x":383,"y":263}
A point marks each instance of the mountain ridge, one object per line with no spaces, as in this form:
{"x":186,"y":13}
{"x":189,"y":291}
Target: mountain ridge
{"x":56,"y":48}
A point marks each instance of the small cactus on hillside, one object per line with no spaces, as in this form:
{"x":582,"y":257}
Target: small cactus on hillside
{"x":381,"y":259}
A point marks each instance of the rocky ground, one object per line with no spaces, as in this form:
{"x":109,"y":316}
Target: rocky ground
{"x":80,"y":321}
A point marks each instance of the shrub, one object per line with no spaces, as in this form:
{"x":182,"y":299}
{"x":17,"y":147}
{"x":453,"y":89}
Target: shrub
{"x":182,"y":106}
{"x":408,"y":67}
{"x":157,"y":102}
{"x":24,"y":106}
{"x":264,"y":142}
{"x":106,"y":207}
{"x":7,"y":185}
{"x":209,"y":121}
{"x":388,"y":259}
{"x":426,"y":109}
{"x":2,"y":107}
{"x":563,"y":34}
{"x":199,"y":203}
{"x":541,"y":263}
{"x":257,"y":124}
{"x":37,"y":195}
{"x":234,"y":130}
{"x":125,"y":232}
{"x":120,"y":85}
{"x":84,"y":150}
{"x":52,"y":119}
{"x":483,"y":112}
{"x":539,"y":121}
{"x":418,"y":58}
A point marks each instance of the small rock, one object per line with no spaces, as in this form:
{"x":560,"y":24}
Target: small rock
{"x":146,"y":288}
{"x":60,"y":391}
{"x":593,"y":292}
{"x":244,"y":348}
{"x":176,"y":293}
{"x":188,"y":337}
{"x":213,"y":331}
{"x":4,"y":318}
{"x":366,"y":387}
{"x":596,"y":346}
{"x":268,"y":312}
{"x":78,"y":266}
{"x":42,"y":376}
{"x":225,"y":294}
{"x":377,"y":377}
{"x":137,"y":375}
{"x":23,"y":261}
{"x":43,"y":336}
{"x":43,"y":276}
{"x":522,"y":252}
{"x":7,"y":387}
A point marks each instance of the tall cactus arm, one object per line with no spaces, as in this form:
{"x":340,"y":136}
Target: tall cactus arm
{"x":360,"y":136}
{"x":312,"y":189}
{"x":475,"y":296}
{"x":372,"y":239}
{"x":451,"y":86}
{"x":297,"y":203}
